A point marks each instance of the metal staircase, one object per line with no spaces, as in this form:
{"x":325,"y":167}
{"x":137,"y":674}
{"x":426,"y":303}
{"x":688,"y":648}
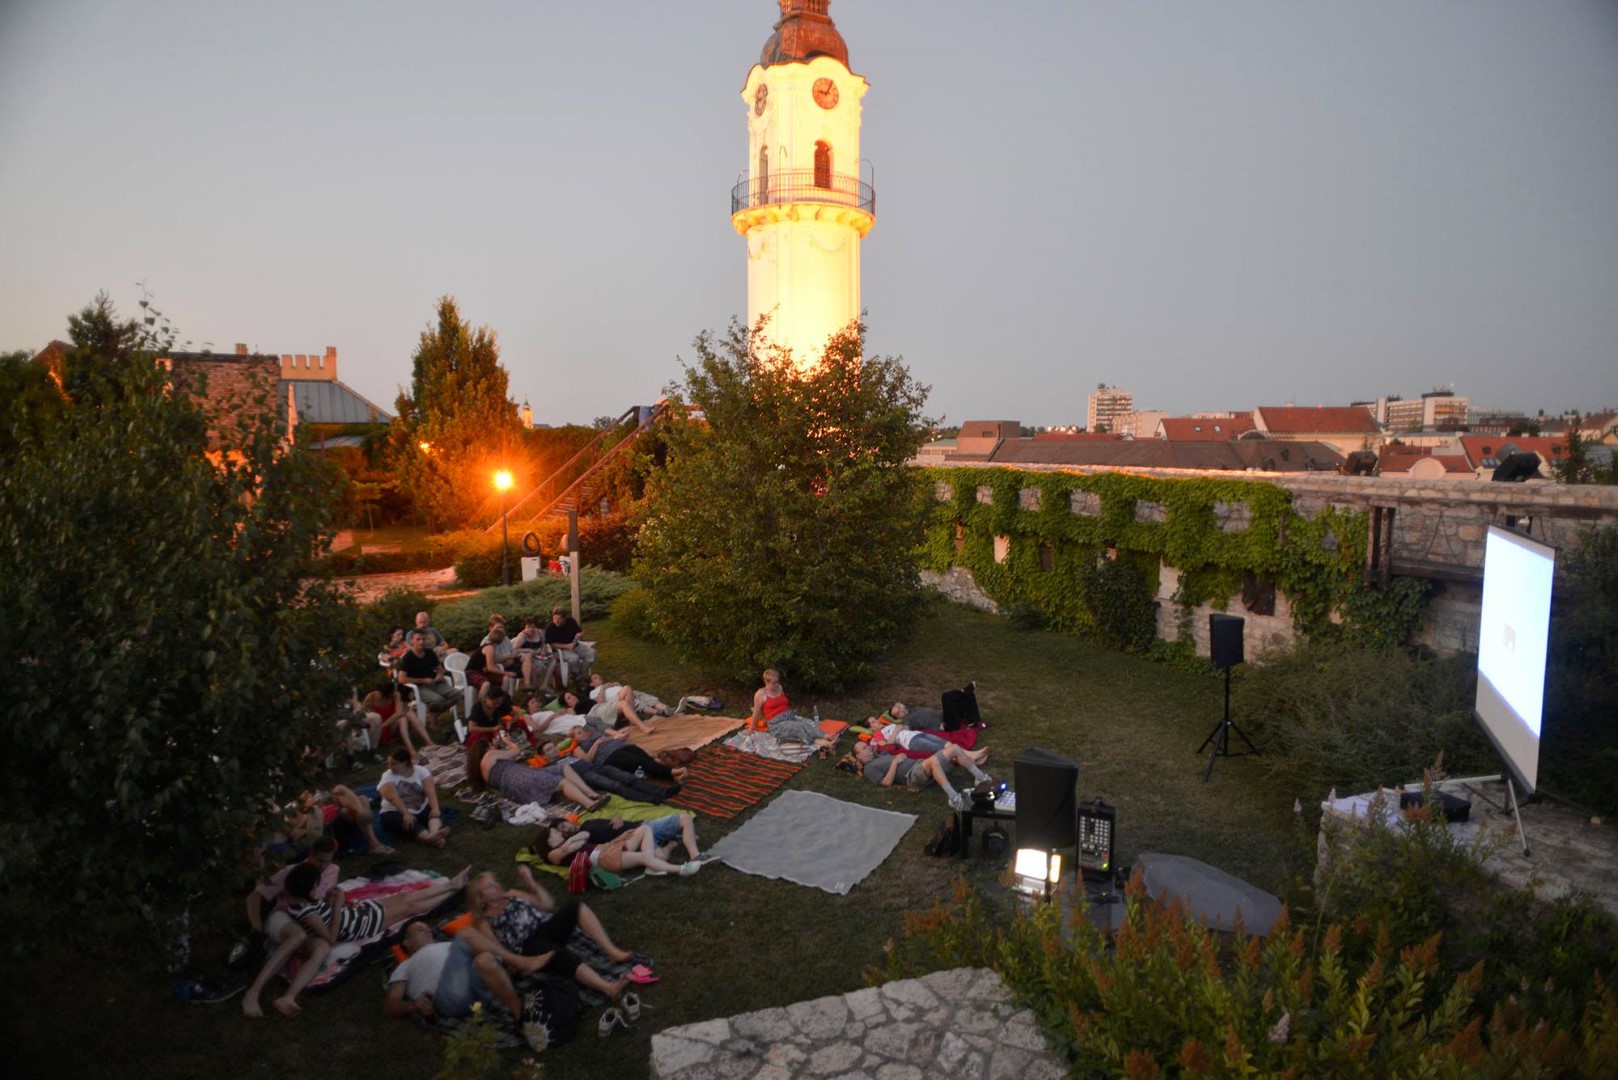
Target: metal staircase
{"x":554,"y":495}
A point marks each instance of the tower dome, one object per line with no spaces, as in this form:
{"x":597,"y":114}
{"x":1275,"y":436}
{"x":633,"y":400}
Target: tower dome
{"x":804,"y":32}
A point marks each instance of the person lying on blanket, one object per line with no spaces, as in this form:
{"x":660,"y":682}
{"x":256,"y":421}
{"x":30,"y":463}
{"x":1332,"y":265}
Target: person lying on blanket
{"x":612,"y":713}
{"x":446,"y":978}
{"x":530,"y":933}
{"x":500,"y":767}
{"x":336,"y":921}
{"x":618,"y":845}
{"x":959,"y":709}
{"x":268,"y":914}
{"x":599,"y":749}
{"x":773,"y":712}
{"x":913,"y":774}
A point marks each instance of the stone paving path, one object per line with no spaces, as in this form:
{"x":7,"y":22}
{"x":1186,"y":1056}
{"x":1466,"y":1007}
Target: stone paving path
{"x":957,"y":1024}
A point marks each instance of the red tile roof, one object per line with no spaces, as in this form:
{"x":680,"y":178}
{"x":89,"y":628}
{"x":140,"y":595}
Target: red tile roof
{"x":1400,"y":461}
{"x":1487,"y":451}
{"x":1320,"y":420}
{"x":1202,"y":429}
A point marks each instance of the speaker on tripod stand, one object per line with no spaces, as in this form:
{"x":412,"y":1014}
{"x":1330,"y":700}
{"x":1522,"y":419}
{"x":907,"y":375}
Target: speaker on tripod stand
{"x":1226,"y":649}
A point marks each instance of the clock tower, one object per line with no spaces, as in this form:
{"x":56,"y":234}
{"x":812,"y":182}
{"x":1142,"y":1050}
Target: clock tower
{"x":801,"y":206}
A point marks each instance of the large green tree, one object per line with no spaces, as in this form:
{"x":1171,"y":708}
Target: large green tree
{"x":457,"y":424}
{"x":783,"y":530}
{"x":169,"y":657}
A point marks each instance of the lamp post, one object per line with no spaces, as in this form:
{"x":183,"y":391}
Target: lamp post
{"x":502,"y":481}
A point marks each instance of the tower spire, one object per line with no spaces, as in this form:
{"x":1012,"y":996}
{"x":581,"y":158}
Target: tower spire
{"x":804,"y":31}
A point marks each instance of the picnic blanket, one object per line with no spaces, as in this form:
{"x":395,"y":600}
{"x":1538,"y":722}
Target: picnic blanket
{"x":815,"y":840}
{"x":966,"y":738}
{"x":765,"y":745}
{"x":686,"y":730}
{"x":723,"y":782}
{"x":615,"y":806}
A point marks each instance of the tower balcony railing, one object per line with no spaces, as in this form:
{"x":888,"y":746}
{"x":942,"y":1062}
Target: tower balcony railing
{"x":802,"y":185}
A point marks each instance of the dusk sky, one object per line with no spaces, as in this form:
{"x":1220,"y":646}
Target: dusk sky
{"x":1213,"y":204}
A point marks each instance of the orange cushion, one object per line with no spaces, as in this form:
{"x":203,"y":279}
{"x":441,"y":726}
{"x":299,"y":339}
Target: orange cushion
{"x":457,"y":924}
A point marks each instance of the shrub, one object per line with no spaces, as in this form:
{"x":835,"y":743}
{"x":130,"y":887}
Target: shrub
{"x":632,"y":614}
{"x":608,"y":540}
{"x":464,"y":622}
{"x":478,"y":562}
{"x":1025,"y":617}
{"x":1333,"y":716}
{"x":350,"y":562}
{"x":1164,"y":995}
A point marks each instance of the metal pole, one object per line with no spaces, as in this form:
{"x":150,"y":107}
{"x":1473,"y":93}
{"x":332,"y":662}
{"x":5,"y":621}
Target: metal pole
{"x":505,"y":544}
{"x":573,"y":557}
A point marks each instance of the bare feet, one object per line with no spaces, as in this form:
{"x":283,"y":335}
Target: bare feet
{"x":381,"y":849}
{"x":680,"y":774}
{"x":619,"y":956}
{"x":251,"y":1007}
{"x":286,"y":1006}
{"x":460,"y":880}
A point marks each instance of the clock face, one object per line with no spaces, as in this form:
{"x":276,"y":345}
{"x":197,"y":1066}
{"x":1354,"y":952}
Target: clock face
{"x":760,"y":99}
{"x":825,"y":93}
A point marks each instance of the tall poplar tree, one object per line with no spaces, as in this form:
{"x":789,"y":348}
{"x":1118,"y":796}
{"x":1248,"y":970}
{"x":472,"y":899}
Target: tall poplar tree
{"x":457,"y":424}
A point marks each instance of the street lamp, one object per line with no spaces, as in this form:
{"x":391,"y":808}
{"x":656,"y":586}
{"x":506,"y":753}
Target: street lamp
{"x":502,"y":481}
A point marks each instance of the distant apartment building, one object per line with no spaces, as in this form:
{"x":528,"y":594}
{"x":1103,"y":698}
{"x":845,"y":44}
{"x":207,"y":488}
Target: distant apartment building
{"x":1107,"y":407}
{"x":1140,"y":425}
{"x":1436,"y":410}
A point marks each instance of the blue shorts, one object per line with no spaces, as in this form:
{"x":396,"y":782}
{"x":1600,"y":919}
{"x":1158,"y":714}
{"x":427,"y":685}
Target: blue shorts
{"x":665,"y":829}
{"x":459,"y":984}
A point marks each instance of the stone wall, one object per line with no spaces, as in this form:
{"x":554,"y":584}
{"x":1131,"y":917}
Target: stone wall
{"x":1439,"y":528}
{"x":234,"y":388}
{"x":958,"y":584}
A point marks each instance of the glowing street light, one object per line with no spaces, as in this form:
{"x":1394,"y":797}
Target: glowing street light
{"x":502,"y":482}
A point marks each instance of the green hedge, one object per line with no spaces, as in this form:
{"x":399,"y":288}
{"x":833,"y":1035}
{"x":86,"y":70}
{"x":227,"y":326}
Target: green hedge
{"x":464,"y":622}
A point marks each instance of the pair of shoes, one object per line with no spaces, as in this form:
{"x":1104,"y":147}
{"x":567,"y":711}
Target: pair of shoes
{"x":642,"y":975}
{"x":612,"y":1018}
{"x":630,"y":1004}
{"x":957,"y":801}
{"x":690,"y":868}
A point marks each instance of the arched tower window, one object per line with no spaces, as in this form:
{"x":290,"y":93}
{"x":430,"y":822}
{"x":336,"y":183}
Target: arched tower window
{"x":762,"y":192}
{"x":822,"y":165}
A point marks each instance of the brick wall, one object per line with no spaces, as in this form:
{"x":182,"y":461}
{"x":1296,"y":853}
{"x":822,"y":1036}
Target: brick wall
{"x":235,"y":388}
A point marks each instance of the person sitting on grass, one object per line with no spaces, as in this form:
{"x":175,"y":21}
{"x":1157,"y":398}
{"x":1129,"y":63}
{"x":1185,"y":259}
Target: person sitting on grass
{"x":446,"y":978}
{"x":318,"y":812}
{"x":268,"y":915}
{"x":531,"y":933}
{"x":913,"y":774}
{"x":618,"y":845}
{"x":493,"y":714}
{"x":411,"y":798}
{"x":773,"y":712}
{"x":502,"y":768}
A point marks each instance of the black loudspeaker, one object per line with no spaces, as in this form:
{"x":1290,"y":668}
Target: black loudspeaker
{"x":1225,"y":640}
{"x":1047,"y":799}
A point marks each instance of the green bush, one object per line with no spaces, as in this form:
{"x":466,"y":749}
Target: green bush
{"x":1164,"y":995}
{"x":608,"y":540}
{"x":632,"y":614}
{"x":1025,"y":617}
{"x":464,"y":622}
{"x":350,"y":562}
{"x":396,"y":607}
{"x":1328,"y":715}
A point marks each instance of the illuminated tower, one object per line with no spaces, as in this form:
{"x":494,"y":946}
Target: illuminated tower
{"x":801,"y":205}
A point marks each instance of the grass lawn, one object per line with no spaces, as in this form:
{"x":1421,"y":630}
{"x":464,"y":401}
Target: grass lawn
{"x":725,"y":942}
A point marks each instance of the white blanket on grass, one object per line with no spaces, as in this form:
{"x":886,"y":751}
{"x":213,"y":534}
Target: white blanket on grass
{"x":814,"y":839}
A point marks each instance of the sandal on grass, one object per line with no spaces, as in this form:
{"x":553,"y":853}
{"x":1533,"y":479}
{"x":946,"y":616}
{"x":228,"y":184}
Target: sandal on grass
{"x":642,"y":975}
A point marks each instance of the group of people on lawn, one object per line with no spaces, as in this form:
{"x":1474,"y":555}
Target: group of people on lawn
{"x":300,"y":910}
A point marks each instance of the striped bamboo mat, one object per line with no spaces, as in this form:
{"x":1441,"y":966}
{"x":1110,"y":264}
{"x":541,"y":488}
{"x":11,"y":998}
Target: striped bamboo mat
{"x":724,"y":782}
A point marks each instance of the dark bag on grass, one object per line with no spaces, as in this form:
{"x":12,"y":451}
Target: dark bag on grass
{"x":559,"y":1006}
{"x":947,"y":841}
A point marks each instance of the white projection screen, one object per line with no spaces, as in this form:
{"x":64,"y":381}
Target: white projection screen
{"x":1512,"y":638}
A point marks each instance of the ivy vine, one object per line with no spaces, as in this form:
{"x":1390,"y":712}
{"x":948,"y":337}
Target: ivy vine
{"x":1049,"y":554}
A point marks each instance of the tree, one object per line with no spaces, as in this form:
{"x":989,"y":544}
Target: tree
{"x":783,"y":531}
{"x":456,"y":424}
{"x":169,"y":656}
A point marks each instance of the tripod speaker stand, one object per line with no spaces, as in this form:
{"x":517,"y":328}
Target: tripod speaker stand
{"x":1226,"y":650}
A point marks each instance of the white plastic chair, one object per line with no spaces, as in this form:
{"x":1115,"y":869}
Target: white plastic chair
{"x":455,"y":666}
